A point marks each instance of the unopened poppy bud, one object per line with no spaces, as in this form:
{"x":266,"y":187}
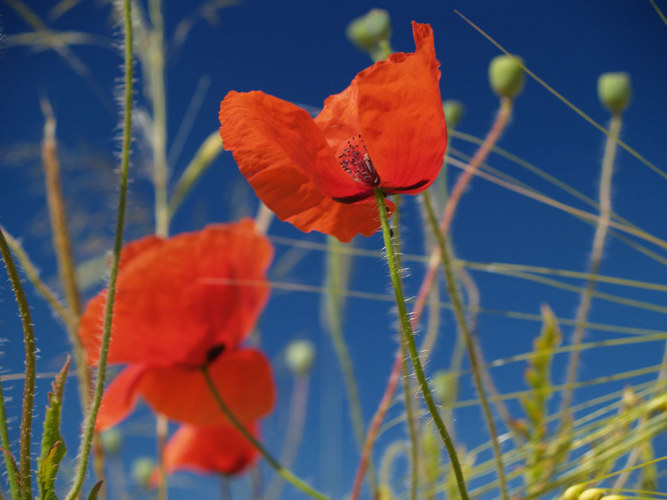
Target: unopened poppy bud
{"x":142,"y":469}
{"x":112,"y":440}
{"x":573,"y":492}
{"x":615,"y":91}
{"x":591,"y":494}
{"x":453,"y":112}
{"x":506,"y":76}
{"x":300,"y":356}
{"x":368,"y":31}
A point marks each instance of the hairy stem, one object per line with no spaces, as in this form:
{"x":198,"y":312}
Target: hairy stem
{"x":25,"y":476}
{"x":594,"y":267}
{"x":470,"y":345}
{"x":412,"y":346}
{"x":286,"y":474}
{"x":89,"y":427}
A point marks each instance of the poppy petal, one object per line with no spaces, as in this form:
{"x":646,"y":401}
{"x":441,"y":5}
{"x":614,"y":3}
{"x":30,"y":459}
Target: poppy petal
{"x":174,"y":301}
{"x":243,"y":378}
{"x":283,"y":154}
{"x":401,"y":116}
{"x":120,"y":397}
{"x":339,"y":119}
{"x":210,"y":449}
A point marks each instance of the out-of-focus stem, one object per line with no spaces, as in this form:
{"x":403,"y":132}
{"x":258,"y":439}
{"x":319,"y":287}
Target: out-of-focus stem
{"x":470,"y":345}
{"x":25,"y":476}
{"x":161,"y":430}
{"x":285,"y":473}
{"x":89,"y":427}
{"x":4,"y":441}
{"x":207,"y":152}
{"x":295,"y":424}
{"x":412,"y":347}
{"x":594,"y":267}
{"x":158,"y":99}
{"x":334,"y":306}
{"x":263,"y":218}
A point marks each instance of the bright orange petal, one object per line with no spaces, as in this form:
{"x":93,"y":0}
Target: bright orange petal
{"x":210,"y":449}
{"x":178,"y":300}
{"x":120,"y":397}
{"x":289,"y":164}
{"x":339,"y":118}
{"x":243,"y":378}
{"x":401,"y":116}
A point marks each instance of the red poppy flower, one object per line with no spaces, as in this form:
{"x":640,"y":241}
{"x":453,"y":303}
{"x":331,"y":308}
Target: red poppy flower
{"x":385,"y":131}
{"x":182,"y":303}
{"x":219,"y":449}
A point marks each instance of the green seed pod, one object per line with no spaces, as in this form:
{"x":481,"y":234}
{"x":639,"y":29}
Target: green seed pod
{"x":573,"y":492}
{"x":112,"y":440}
{"x":506,"y":76}
{"x":614,"y":497}
{"x":442,"y":384}
{"x":615,"y":91}
{"x":454,"y":111}
{"x":300,"y":356}
{"x":591,"y":494}
{"x":383,"y":493}
{"x":368,"y":31}
{"x":142,"y":468}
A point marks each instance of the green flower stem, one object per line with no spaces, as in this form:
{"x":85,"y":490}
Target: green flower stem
{"x":601,"y":229}
{"x":470,"y":345}
{"x":334,"y":308}
{"x":4,"y":441}
{"x":161,"y":431}
{"x":89,"y":426}
{"x":412,"y":347}
{"x":407,"y":387}
{"x":286,"y":474}
{"x":25,"y":476}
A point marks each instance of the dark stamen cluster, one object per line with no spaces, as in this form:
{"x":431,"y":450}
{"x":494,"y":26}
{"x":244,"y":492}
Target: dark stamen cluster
{"x":355,"y":161}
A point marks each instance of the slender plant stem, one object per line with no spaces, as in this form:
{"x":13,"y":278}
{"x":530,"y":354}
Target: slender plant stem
{"x":335,"y":309}
{"x":25,"y":476}
{"x":409,"y":401}
{"x":295,"y":426}
{"x":161,"y":430}
{"x":286,"y":474}
{"x":158,"y":99}
{"x":4,"y":441}
{"x":594,"y":267}
{"x":89,"y":427}
{"x":412,"y":347}
{"x":470,"y":345}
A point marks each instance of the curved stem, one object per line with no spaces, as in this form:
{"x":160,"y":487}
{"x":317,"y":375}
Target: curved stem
{"x":25,"y":476}
{"x":470,"y":346}
{"x":10,"y":465}
{"x":596,"y":259}
{"x":412,"y":346}
{"x":286,"y":474}
{"x":89,"y":427}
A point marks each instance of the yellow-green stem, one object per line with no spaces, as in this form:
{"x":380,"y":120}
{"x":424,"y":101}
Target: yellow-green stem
{"x":469,"y":343}
{"x":596,"y":258}
{"x":334,"y":306}
{"x":25,"y":475}
{"x":4,"y":441}
{"x":158,"y":99}
{"x":412,"y":346}
{"x":89,"y":426}
{"x":286,"y":474}
{"x":161,"y":430}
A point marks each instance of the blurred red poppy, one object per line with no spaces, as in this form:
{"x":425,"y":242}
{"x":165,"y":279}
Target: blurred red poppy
{"x":385,"y":131}
{"x":182,"y":303}
{"x":219,"y":449}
